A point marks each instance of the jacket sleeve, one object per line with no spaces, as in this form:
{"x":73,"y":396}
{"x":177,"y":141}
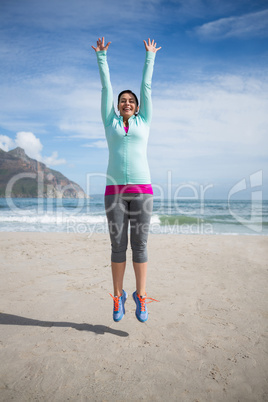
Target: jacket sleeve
{"x":145,"y":94}
{"x":107,"y":101}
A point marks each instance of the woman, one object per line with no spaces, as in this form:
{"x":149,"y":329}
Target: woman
{"x":128,"y":194}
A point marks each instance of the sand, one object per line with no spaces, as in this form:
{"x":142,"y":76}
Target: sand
{"x":205,"y":340}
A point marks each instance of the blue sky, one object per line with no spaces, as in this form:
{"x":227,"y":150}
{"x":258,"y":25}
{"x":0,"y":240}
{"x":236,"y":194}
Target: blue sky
{"x":210,"y":87}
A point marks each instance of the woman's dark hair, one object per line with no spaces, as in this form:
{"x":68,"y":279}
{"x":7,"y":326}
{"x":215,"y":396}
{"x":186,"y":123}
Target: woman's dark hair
{"x":128,"y":91}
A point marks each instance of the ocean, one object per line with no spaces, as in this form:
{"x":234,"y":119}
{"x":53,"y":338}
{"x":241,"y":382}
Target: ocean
{"x":209,"y":217}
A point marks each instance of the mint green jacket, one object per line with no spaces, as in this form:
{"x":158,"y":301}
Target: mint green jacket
{"x":127,"y":152}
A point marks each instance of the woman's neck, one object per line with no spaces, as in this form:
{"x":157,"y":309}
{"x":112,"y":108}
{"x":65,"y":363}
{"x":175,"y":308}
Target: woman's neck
{"x":125,"y":121}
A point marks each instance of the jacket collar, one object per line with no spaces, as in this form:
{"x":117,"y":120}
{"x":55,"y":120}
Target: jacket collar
{"x":131,"y":118}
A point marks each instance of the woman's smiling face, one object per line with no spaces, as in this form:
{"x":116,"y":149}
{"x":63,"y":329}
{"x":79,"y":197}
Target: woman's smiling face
{"x":127,"y":105}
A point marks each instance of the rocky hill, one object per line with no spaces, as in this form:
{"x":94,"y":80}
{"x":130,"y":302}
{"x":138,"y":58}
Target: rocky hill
{"x":21,"y":176}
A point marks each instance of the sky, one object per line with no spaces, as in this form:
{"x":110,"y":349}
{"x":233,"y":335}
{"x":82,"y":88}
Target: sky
{"x":210,"y":89}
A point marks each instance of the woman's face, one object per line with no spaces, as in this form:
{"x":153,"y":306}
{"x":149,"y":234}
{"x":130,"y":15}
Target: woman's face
{"x":127,"y":105}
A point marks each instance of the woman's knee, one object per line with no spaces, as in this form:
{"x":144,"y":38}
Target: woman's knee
{"x":119,"y":249}
{"x":139,"y":250}
{"x":118,"y":256}
{"x":139,"y":254}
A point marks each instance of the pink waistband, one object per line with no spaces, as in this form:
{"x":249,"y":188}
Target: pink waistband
{"x":129,"y":188}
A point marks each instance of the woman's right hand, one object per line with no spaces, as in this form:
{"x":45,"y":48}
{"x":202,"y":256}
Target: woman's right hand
{"x":101,"y":45}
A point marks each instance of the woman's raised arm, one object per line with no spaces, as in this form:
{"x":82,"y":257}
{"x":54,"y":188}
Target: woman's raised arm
{"x":107,"y":101}
{"x":145,"y":94}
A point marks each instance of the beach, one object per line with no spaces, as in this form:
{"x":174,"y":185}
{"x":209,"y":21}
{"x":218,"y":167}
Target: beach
{"x":205,"y":340}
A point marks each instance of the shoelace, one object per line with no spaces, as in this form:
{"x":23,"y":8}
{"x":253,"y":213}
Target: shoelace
{"x":116,"y":302}
{"x":143,"y":301}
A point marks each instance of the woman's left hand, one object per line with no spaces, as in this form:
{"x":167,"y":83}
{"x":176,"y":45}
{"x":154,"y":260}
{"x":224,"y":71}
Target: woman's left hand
{"x":151,"y":46}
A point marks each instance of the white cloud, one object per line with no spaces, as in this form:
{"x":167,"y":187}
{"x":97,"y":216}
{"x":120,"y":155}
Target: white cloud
{"x":245,"y":26}
{"x":6,"y":143}
{"x":217,"y":128}
{"x":30,"y":143}
{"x":73,"y":109}
{"x":32,"y":147}
{"x":53,"y":160}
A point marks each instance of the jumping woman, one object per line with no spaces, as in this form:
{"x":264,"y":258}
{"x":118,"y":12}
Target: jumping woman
{"x":128,"y":194}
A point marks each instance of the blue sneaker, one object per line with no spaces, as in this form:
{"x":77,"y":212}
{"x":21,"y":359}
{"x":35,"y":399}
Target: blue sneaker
{"x":141,"y":309}
{"x":119,"y":306}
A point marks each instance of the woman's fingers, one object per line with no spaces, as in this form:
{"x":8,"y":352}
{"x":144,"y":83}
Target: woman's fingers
{"x":108,"y":44}
{"x":101,"y":45}
{"x":157,"y":48}
{"x":151,"y":46}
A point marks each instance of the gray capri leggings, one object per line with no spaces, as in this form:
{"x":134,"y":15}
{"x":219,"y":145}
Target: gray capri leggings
{"x":137,"y":209}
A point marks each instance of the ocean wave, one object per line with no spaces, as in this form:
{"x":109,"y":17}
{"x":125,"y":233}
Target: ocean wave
{"x":179,"y":220}
{"x":163,"y":220}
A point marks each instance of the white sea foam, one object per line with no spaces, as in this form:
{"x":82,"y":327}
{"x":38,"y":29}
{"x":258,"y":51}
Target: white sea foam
{"x":53,"y":218}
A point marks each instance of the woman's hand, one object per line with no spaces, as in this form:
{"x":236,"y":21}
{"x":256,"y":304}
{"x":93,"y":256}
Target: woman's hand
{"x":101,"y":45}
{"x":151,"y":46}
